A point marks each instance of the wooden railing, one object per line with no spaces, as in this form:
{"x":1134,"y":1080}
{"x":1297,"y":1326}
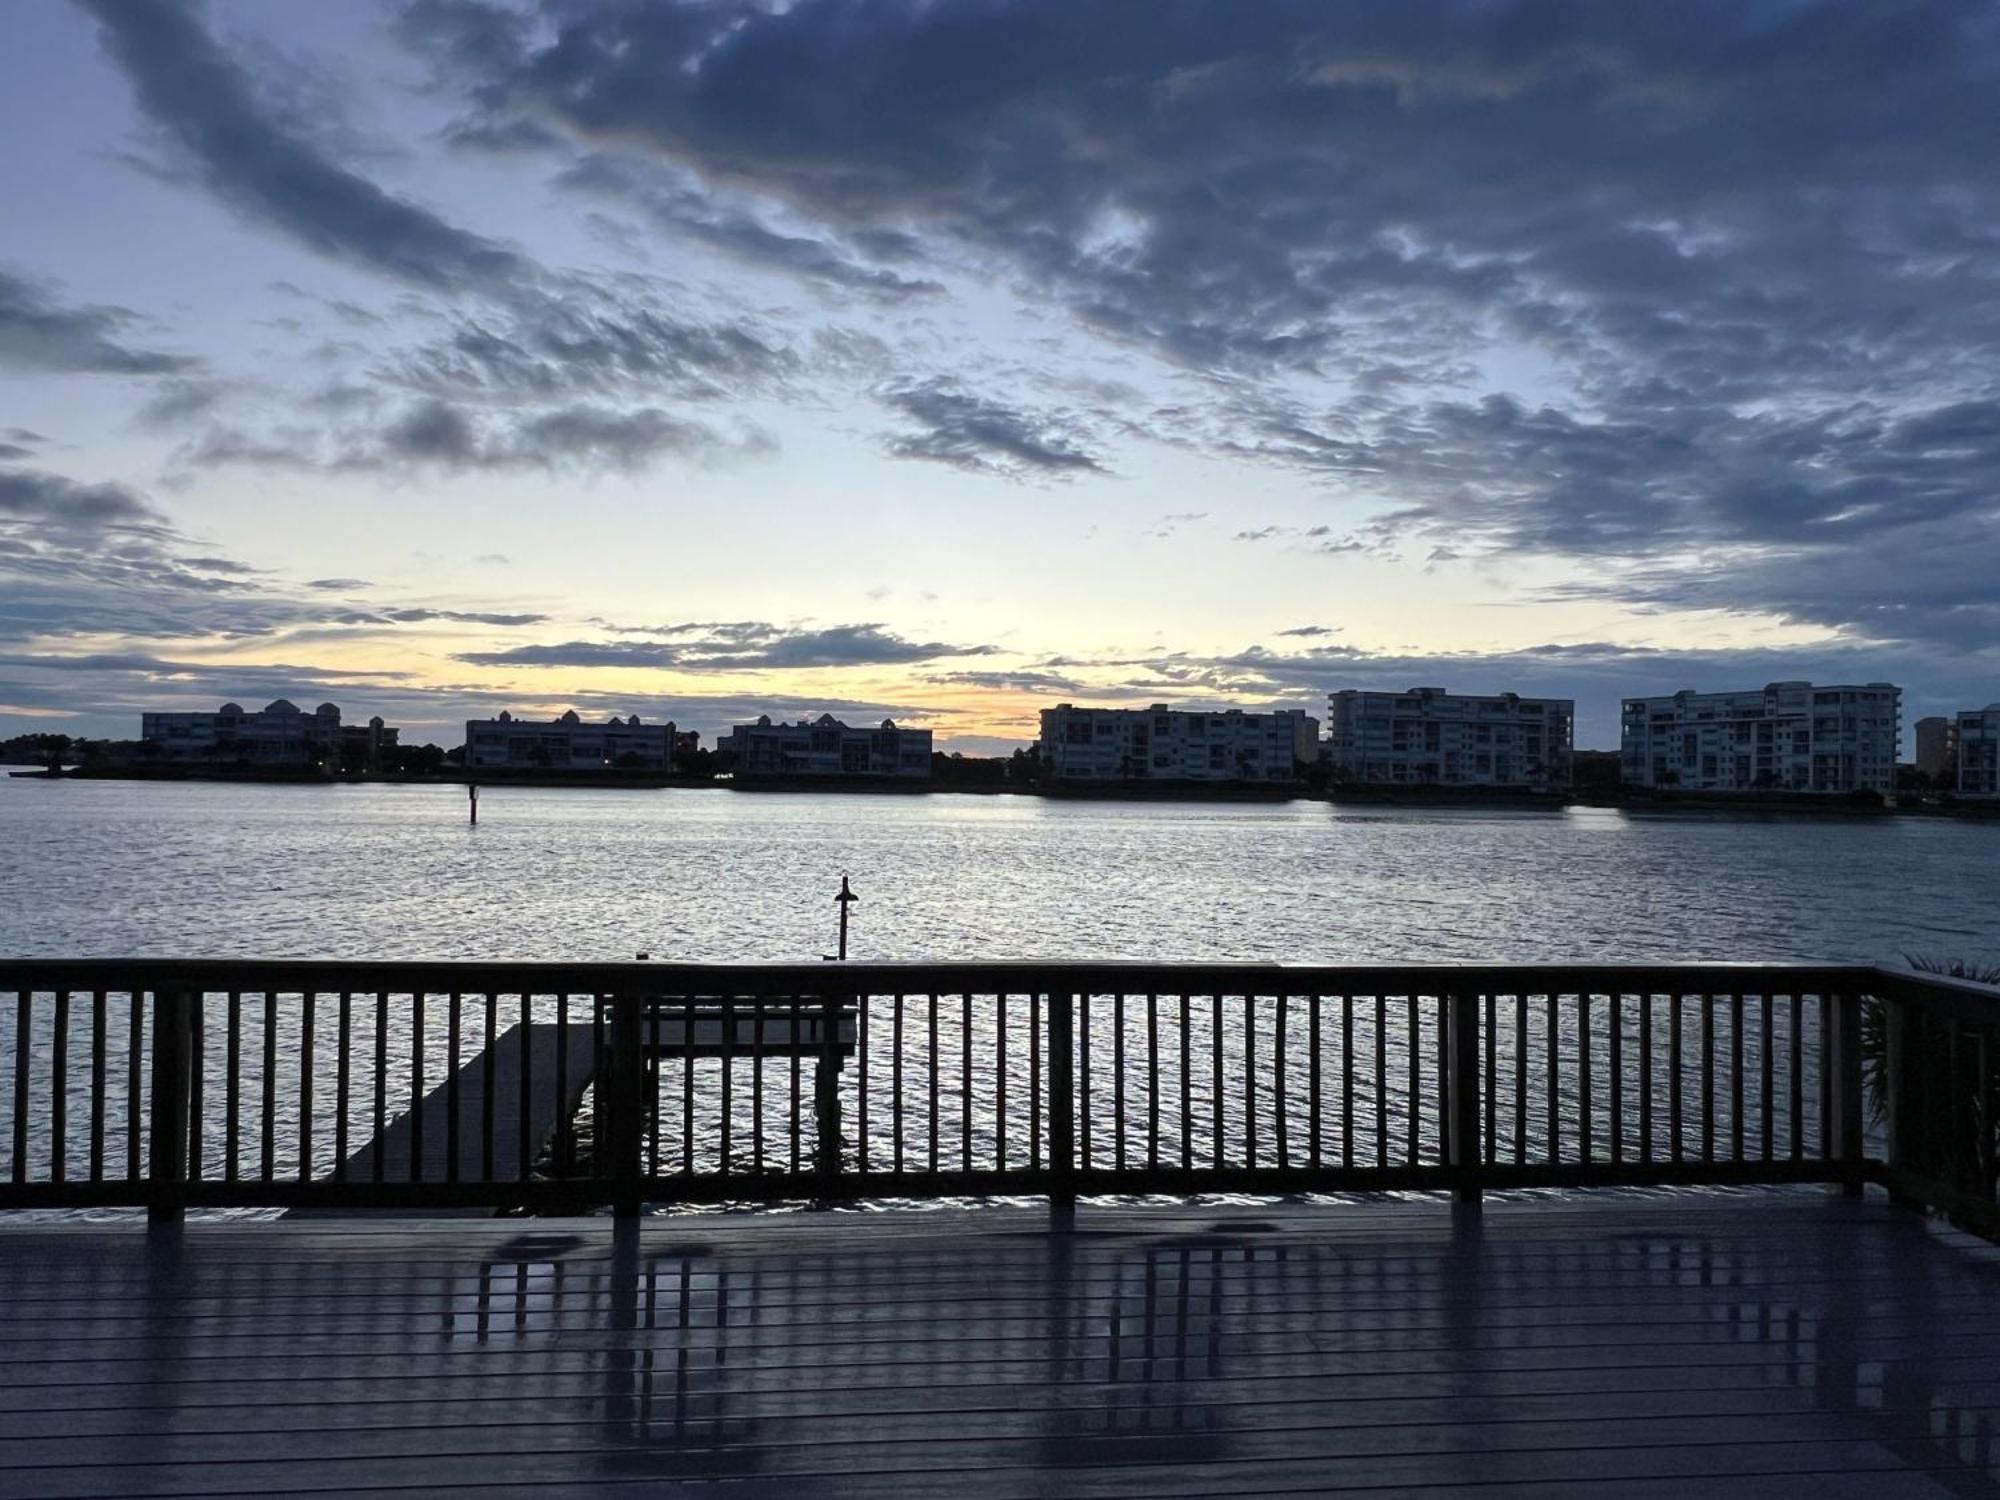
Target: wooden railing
{"x":172,"y":1084}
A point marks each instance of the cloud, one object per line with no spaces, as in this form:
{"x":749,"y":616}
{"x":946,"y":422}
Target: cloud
{"x":29,"y":497}
{"x":677,"y":203}
{"x":37,"y":332}
{"x":438,"y":435}
{"x":737,"y":646}
{"x":1584,"y":282}
{"x":984,"y":436}
{"x":266,"y":167}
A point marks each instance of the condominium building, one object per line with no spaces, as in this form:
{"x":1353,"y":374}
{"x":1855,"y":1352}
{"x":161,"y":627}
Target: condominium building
{"x":1785,"y":736}
{"x":1165,"y":744}
{"x":1937,"y":750}
{"x":1429,"y":737}
{"x":568,"y":743}
{"x":1978,"y":736}
{"x":827,"y":747}
{"x":279,"y":734}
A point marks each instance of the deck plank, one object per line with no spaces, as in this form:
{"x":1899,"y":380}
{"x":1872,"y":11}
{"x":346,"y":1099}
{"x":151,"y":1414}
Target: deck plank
{"x":1639,"y":1345}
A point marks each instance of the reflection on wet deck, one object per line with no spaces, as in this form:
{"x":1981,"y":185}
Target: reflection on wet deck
{"x":1762,"y":1344}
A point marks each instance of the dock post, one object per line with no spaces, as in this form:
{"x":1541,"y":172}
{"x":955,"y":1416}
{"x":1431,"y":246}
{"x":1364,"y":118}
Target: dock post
{"x":173,"y":1060}
{"x":627,"y":1114}
{"x":1849,"y":1145}
{"x":1062,"y":1111}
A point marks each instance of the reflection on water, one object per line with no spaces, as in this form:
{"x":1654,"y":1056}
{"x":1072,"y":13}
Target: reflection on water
{"x":106,"y":868}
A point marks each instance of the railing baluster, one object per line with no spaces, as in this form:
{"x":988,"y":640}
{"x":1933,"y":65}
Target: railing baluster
{"x":1347,"y":1080}
{"x":757,"y":1085}
{"x":1153,"y":1083}
{"x":1035,"y":1161}
{"x":24,"y":1002}
{"x":1584,"y":1144}
{"x":489,"y":1083}
{"x":1614,"y":1114}
{"x":377,"y":1166}
{"x":342,"y":1078}
{"x":525,"y":1167}
{"x":1215,"y":1077}
{"x":728,"y":1079}
{"x":1249,"y":1080}
{"x":1001,"y":1127}
{"x":931,"y":1071}
{"x":896,"y":1079}
{"x":1085,"y":1102}
{"x":1413,"y":1045}
{"x":1491,"y":1096}
{"x":1520,"y":1078}
{"x":965,"y":1082}
{"x":1280,"y":1095}
{"x":1675,"y":1063}
{"x":561,"y":1143}
{"x":135,"y":1082}
{"x":797,"y":1036}
{"x":1797,"y":1102}
{"x":1118,"y":1081}
{"x":59,"y":1091}
{"x":1766,"y":1072}
{"x":689,"y":1056}
{"x":1707,"y":1077}
{"x":1646,"y":1077}
{"x":1062,"y":1103}
{"x":1736,"y":1077}
{"x":1187,"y":1084}
{"x":1312,"y":1079}
{"x":1552,"y":1070}
{"x":417,"y":1162}
{"x":306,"y":1039}
{"x":197,"y":1069}
{"x":267,"y":1122}
{"x":97,"y":1086}
{"x":861,"y":1008}
{"x":453,"y":1045}
{"x":1381,"y":1080}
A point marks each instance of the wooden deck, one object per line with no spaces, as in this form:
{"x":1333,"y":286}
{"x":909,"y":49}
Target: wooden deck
{"x":1766,"y":1344}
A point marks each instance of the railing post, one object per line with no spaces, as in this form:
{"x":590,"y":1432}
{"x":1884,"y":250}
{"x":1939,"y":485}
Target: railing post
{"x":1461,"y":1091}
{"x":1062,"y":1110}
{"x":173,"y":1065}
{"x":826,"y":1092}
{"x":1847,"y":1108}
{"x":626,"y":1113}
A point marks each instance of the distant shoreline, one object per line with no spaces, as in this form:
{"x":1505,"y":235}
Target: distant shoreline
{"x":1749,"y":804}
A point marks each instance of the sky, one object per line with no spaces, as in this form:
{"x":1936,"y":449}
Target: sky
{"x":944,"y":361}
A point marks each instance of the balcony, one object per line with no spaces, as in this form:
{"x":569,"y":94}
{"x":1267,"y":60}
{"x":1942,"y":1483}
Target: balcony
{"x":1301,"y":1228}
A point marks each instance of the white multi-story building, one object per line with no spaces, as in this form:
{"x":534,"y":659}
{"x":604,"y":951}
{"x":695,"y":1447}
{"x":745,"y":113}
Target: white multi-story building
{"x":1979,"y":751}
{"x":279,"y":734}
{"x":1785,"y":736}
{"x":568,"y":744}
{"x":827,"y":747}
{"x":1167,"y":744}
{"x":1429,"y":737}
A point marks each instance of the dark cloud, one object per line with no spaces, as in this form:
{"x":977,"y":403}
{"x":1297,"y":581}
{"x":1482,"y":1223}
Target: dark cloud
{"x":745,"y":646}
{"x":434,"y":434}
{"x":28,"y":497}
{"x":677,"y":203}
{"x":423,"y":616}
{"x":39,"y":332}
{"x":1027,"y":680}
{"x":972,"y":432}
{"x":337,"y":585}
{"x":1310,"y":631}
{"x":1741,"y":257}
{"x":269,"y":168}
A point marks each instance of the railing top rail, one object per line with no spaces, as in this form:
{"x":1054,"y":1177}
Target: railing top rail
{"x":954,"y":976}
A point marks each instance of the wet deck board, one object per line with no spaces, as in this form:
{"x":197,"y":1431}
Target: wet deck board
{"x":1753,"y":1344}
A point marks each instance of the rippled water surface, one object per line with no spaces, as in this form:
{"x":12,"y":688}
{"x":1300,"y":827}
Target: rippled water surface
{"x":114,"y":868}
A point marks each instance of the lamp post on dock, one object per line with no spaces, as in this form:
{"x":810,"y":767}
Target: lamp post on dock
{"x":845,"y":899}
